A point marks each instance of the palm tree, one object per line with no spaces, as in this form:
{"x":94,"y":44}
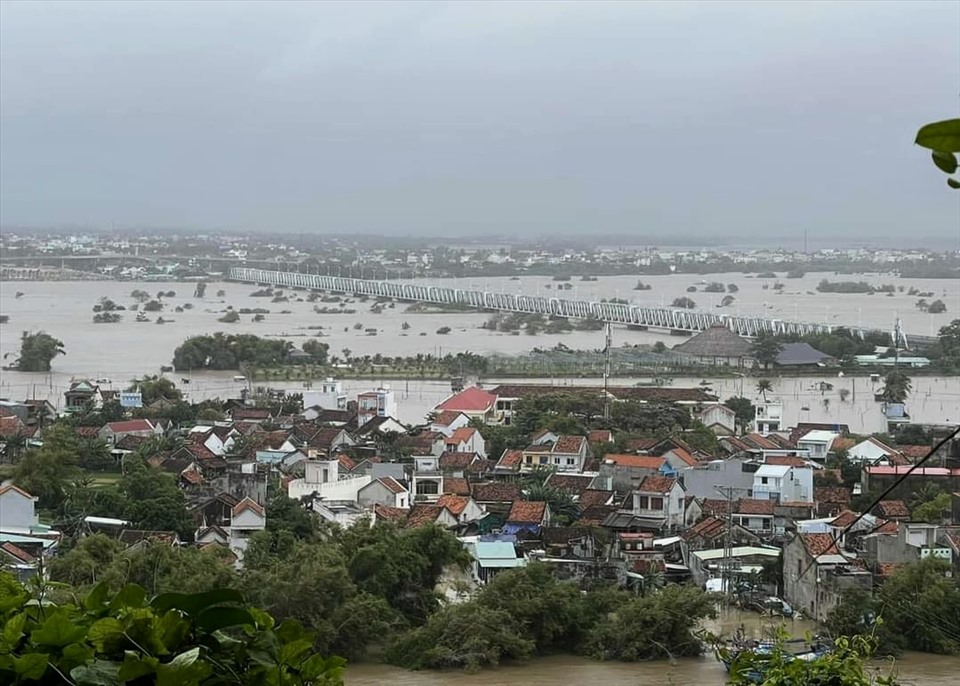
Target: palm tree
{"x":764,"y":385}
{"x":896,"y":387}
{"x":15,"y":445}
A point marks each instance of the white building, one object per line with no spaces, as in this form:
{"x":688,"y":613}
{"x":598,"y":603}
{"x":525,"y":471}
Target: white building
{"x":818,"y":443}
{"x":246,"y":519}
{"x":783,"y":483}
{"x":769,"y":416}
{"x":329,"y":396}
{"x":871,"y":451}
{"x":377,"y":403}
{"x":322,"y":479}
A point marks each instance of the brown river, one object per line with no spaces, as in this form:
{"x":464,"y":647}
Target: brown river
{"x":913,"y":668}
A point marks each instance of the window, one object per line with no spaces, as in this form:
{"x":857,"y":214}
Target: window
{"x":763,"y":479}
{"x":543,"y":460}
{"x":571,"y":461}
{"x":656,"y":503}
{"x":643,"y":502}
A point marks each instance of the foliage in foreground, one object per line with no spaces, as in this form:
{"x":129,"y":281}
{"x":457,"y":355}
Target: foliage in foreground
{"x":173,"y":639}
{"x":846,"y":665}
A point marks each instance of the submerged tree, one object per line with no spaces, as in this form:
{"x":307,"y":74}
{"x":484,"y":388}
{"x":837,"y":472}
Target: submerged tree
{"x":896,"y":387}
{"x":37,"y":351}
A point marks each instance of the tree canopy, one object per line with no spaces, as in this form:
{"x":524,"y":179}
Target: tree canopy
{"x":37,"y":351}
{"x":229,"y":351}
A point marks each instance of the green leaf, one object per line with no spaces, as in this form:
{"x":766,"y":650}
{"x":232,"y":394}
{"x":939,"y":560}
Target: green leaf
{"x":57,"y":630}
{"x":172,"y":629}
{"x":129,"y":596}
{"x":953,"y":183}
{"x":194,"y":603}
{"x":184,"y":670}
{"x":74,"y":655}
{"x":293,"y":652}
{"x":97,"y":673}
{"x":134,"y":666}
{"x":104,"y":631}
{"x":946,"y":161}
{"x":30,"y":666}
{"x":941,"y":135}
{"x":220,"y":617}
{"x":96,"y":600}
{"x":12,"y":632}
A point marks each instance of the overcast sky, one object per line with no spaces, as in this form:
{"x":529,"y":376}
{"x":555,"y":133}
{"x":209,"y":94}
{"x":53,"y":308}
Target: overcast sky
{"x":638,"y":118}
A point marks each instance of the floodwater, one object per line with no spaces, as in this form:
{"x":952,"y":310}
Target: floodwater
{"x":122,"y":351}
{"x":912,"y":668}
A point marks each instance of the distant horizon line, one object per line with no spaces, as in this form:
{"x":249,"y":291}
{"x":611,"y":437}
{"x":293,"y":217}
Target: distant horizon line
{"x":793,"y":243}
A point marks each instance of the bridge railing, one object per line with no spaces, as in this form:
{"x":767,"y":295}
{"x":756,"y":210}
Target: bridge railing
{"x":616,"y":313}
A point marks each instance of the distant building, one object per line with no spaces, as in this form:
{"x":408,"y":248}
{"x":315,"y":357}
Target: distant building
{"x":329,"y":396}
{"x":717,"y":346}
{"x":380,"y":402}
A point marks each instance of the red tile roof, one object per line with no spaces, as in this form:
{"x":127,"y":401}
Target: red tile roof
{"x":449,"y":460}
{"x":819,"y":544}
{"x":11,"y":426}
{"x":495,"y":492}
{"x":18,"y":553}
{"x":130,"y":426}
{"x":640,"y":445}
{"x":684,"y":456}
{"x":455,"y":503}
{"x":888,"y":527}
{"x":714,"y":506}
{"x":470,"y":399}
{"x":636,"y":461}
{"x":844,"y":519}
{"x":446,"y":417}
{"x":247,"y":504}
{"x":510,"y":459}
{"x":569,"y":445}
{"x":893,"y":509}
{"x":914,"y":452}
{"x":346,"y":462}
{"x":708,"y":528}
{"x":832,"y":494}
{"x":657,"y":484}
{"x":600,"y":436}
{"x":456,"y":485}
{"x":462,"y":435}
{"x":392,"y":484}
{"x":753,"y":506}
{"x":527,"y":512}
{"x":575,"y":484}
{"x":592,"y":496}
{"x":785,"y":461}
{"x":423,"y":514}
{"x":394,"y":514}
{"x":16,"y":489}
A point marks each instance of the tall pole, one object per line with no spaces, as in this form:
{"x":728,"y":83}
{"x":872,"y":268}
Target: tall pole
{"x":606,"y":370}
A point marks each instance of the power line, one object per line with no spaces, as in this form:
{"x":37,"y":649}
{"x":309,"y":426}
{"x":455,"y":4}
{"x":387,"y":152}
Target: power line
{"x":882,"y":496}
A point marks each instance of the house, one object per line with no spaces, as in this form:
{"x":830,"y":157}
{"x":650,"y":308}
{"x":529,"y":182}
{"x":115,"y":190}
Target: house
{"x":734,"y":473}
{"x":660,"y":500}
{"x":17,"y":510}
{"x":625,"y":472}
{"x":385,"y":491}
{"x":423,"y":513}
{"x":711,"y":532}
{"x":496,"y":497}
{"x":801,"y":355}
{"x":246,"y":519}
{"x":114,"y":431}
{"x":768,"y":416}
{"x":527,"y":516}
{"x":716,"y":346}
{"x":816,"y":574}
{"x":342,"y":512}
{"x":217,"y":439}
{"x":426,"y":481}
{"x":329,"y":396}
{"x":474,"y":402}
{"x":678,"y":460}
{"x":448,"y":421}
{"x":599,"y":436}
{"x":380,"y":402}
{"x":871,"y":451}
{"x":817,"y":443}
{"x":783,"y":482}
{"x":892,"y":509}
{"x":82,"y":394}
{"x":509,"y":463}
{"x":755,"y":515}
{"x":573,"y":484}
{"x":558,"y":452}
{"x":321,"y":478}
{"x":463,"y":507}
{"x":380,"y":425}
{"x":423,"y":443}
{"x":492,"y":557}
{"x":456,"y":486}
{"x":720,"y":419}
{"x":466,"y":439}
{"x":880,"y":477}
{"x":831,"y":500}
{"x":709,"y":563}
{"x":458,"y":463}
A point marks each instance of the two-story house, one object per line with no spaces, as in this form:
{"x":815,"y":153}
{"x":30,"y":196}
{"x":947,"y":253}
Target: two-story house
{"x":466,"y":439}
{"x":474,"y":402}
{"x":559,"y":452}
{"x":463,"y":507}
{"x":783,"y":483}
{"x":625,"y":472}
{"x":426,"y":481}
{"x":114,"y":431}
{"x":816,"y":574}
{"x":871,"y":451}
{"x":448,"y":421}
{"x":817,"y":443}
{"x":247,"y":519}
{"x":660,"y":500}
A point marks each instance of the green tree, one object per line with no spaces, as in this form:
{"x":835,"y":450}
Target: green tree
{"x":932,"y":511}
{"x":153,"y":500}
{"x":37,"y":351}
{"x":744,"y":410}
{"x":896,"y":386}
{"x":921,"y":605}
{"x":764,"y":386}
{"x":46,"y":473}
{"x":684,"y":302}
{"x":155,"y":387}
{"x":317,"y":350}
{"x":766,"y":348}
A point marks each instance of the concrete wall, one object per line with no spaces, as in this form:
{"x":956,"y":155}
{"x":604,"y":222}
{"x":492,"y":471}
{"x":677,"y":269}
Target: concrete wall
{"x":16,"y":512}
{"x":344,"y":489}
{"x":702,"y":483}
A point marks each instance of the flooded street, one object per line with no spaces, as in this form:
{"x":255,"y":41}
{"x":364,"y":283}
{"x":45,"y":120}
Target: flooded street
{"x":121,"y":351}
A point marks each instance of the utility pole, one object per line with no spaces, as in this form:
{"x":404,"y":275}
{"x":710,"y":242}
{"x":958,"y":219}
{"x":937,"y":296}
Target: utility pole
{"x":728,"y":492}
{"x":608,"y":342}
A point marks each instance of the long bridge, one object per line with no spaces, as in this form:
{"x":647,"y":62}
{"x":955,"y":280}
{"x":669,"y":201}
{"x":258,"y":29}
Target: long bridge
{"x":672,"y":319}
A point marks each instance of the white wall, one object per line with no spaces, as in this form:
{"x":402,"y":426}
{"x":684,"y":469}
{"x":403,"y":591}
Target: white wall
{"x":16,"y":512}
{"x":344,"y":489}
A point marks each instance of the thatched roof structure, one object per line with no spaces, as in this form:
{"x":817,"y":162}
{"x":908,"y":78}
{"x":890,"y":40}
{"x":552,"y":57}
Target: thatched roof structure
{"x":716,"y":341}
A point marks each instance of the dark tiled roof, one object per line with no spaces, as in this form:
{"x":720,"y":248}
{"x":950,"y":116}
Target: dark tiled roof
{"x":752,"y":506}
{"x":657,"y":484}
{"x":456,"y":485}
{"x":716,"y":341}
{"x":893,"y":509}
{"x":575,"y":484}
{"x":591,"y":497}
{"x":495,"y":492}
{"x":527,"y":512}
